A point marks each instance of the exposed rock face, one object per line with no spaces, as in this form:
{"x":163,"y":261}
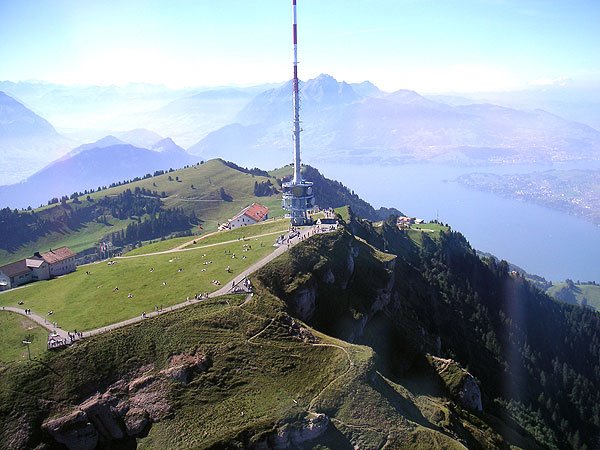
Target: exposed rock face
{"x":349,"y":267}
{"x":128,"y":407}
{"x":470,"y":395}
{"x":74,"y":431}
{"x":137,"y":421}
{"x":328,"y":277}
{"x":101,"y":413}
{"x":183,"y":367}
{"x":461,"y":384}
{"x":303,"y":301}
{"x":292,"y":435}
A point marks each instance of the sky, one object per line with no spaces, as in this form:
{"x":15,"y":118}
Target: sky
{"x":432,"y":46}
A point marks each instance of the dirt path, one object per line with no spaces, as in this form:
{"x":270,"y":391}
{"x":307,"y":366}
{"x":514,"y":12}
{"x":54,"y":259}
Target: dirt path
{"x":311,"y":405}
{"x":181,"y":248}
{"x":223,"y":291}
{"x":42,"y":321}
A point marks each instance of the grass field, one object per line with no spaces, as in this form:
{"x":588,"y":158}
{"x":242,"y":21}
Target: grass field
{"x":14,"y":329}
{"x":267,"y":227}
{"x":84,"y":302}
{"x":77,"y":240}
{"x":582,"y":294}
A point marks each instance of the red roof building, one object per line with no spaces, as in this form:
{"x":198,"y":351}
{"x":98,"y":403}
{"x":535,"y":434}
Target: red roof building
{"x":60,"y":260}
{"x":248,"y":216}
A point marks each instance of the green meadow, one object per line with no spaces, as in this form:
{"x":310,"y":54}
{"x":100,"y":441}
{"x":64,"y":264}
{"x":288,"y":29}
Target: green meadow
{"x":83,"y":302}
{"x":271,"y":226}
{"x":14,"y":329}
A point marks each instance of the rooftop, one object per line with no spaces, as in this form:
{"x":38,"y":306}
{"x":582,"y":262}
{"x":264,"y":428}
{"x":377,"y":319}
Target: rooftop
{"x":15,"y":269}
{"x":57,"y":255}
{"x":255,"y":211}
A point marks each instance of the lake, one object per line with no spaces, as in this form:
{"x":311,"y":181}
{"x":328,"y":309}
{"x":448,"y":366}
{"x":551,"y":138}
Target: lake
{"x":542,"y":241}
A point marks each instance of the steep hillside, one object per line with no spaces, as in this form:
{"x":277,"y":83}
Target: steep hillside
{"x":535,"y":360}
{"x":381,"y":366}
{"x":583,"y":294}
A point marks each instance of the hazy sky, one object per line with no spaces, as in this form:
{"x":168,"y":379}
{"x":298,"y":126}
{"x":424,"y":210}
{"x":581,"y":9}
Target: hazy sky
{"x":426,"y":45}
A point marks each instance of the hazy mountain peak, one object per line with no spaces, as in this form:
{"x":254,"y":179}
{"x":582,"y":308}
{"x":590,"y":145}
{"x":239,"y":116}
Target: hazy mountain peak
{"x":167,"y":145}
{"x":140,"y":137}
{"x":366,"y":89}
{"x":325,"y":88}
{"x":106,"y":141}
{"x":18,"y":121}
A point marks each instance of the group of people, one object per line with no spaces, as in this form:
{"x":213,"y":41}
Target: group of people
{"x":27,"y":311}
{"x":55,"y":342}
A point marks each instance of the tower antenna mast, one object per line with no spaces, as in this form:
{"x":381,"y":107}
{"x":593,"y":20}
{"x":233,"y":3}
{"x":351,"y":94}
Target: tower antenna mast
{"x":296,"y":91}
{"x":298,"y":196}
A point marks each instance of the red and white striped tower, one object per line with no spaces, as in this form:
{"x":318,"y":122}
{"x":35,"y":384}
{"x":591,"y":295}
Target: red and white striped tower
{"x":298,"y":197}
{"x":296,"y":132}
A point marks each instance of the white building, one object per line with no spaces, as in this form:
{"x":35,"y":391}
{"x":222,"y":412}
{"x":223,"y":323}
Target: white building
{"x":22,"y":272}
{"x":60,"y":261}
{"x":248,"y":216}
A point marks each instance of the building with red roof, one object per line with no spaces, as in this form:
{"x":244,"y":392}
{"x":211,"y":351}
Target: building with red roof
{"x":248,"y":216}
{"x":60,"y":260}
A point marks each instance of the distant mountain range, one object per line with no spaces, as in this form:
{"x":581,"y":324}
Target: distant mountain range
{"x":104,"y":162}
{"x":355,"y":123}
{"x":362,"y":124}
{"x":26,"y":140}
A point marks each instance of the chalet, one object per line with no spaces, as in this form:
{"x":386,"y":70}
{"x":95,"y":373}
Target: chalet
{"x":41,"y":267}
{"x":60,"y":260}
{"x":405,"y":222}
{"x":248,"y":216}
{"x":23,"y":271}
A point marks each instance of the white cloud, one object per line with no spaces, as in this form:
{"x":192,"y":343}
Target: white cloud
{"x":547,"y":82}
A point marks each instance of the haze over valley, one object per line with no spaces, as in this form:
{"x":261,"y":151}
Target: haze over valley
{"x":361,"y":225}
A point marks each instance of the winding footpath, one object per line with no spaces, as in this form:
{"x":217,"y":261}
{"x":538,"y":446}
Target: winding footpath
{"x":227,"y":289}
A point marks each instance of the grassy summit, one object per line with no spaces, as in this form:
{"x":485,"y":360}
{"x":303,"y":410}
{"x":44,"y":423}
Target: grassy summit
{"x":196,"y":189}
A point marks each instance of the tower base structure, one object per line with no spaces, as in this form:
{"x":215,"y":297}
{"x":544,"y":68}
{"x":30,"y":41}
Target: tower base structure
{"x":298,"y":199}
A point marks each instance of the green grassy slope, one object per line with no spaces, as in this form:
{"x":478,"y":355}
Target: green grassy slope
{"x":263,"y":376}
{"x":268,"y":227}
{"x":269,"y":378}
{"x":84,"y":302}
{"x":203,"y":199}
{"x":580,"y":294}
{"x":14,"y":329}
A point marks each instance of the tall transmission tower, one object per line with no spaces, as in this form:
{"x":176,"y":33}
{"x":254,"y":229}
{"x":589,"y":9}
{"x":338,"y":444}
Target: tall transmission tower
{"x":298,"y":197}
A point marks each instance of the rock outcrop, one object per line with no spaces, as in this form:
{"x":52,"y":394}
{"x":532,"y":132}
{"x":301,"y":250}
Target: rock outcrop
{"x":461,"y":384}
{"x":294,"y":434}
{"x":302,"y":303}
{"x":127,"y":409}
